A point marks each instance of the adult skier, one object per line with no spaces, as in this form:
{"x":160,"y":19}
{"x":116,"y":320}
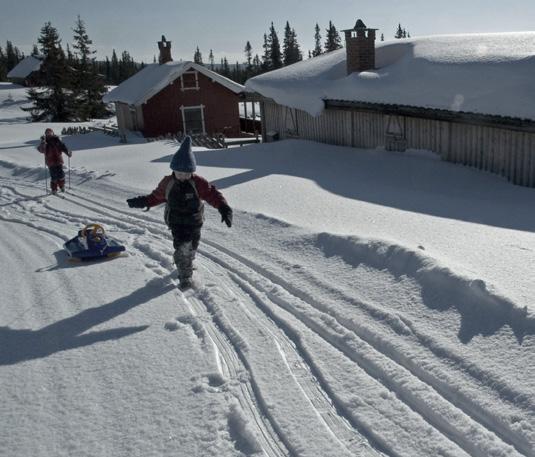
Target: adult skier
{"x":183,"y":192}
{"x":52,"y":147}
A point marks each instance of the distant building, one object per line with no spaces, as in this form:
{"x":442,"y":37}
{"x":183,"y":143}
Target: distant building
{"x":174,"y":97}
{"x":469,"y":98}
{"x":26,"y":72}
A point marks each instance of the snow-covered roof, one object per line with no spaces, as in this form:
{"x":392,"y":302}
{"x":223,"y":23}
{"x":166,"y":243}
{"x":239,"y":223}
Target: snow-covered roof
{"x":25,"y":67}
{"x":154,"y":77}
{"x":480,"y":73}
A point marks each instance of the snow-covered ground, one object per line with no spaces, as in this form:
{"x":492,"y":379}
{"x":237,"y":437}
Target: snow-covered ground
{"x":363,"y":303}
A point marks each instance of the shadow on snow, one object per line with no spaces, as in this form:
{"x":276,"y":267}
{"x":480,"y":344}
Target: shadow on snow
{"x":19,"y":345}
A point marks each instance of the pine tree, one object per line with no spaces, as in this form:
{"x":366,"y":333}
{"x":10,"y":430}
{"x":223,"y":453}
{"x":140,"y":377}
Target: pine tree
{"x":266,"y":57}
{"x":382,"y":37}
{"x":404,"y":34}
{"x":107,"y":70}
{"x":333,"y":40}
{"x":35,"y":51}
{"x":127,"y":66}
{"x":248,"y":50}
{"x":399,"y":32}
{"x":114,"y":68}
{"x":291,"y":51}
{"x":51,"y":102}
{"x":317,"y":41}
{"x":13,"y":56}
{"x":88,"y":86}
{"x":225,"y":69}
{"x":212,"y":60}
{"x":197,"y":56}
{"x":257,"y":65}
{"x":3,"y":66}
{"x":274,"y":48}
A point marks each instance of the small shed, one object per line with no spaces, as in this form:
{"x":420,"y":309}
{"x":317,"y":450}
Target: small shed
{"x":177,"y":97}
{"x":26,"y":72}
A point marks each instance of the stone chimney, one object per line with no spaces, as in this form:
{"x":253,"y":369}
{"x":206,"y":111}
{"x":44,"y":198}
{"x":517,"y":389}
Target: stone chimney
{"x":360,"y":48}
{"x":165,"y":51}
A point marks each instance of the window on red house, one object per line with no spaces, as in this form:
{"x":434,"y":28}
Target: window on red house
{"x":190,"y":81}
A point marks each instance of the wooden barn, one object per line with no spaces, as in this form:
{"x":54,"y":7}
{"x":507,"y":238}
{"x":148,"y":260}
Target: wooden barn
{"x":177,"y":97}
{"x":26,"y":72}
{"x":469,"y":98}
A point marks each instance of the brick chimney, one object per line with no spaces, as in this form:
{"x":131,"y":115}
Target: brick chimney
{"x":360,"y":48}
{"x":165,"y":51}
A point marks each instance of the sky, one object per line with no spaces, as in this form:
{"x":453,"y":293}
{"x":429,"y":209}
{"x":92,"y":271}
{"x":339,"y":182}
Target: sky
{"x":225,"y":26}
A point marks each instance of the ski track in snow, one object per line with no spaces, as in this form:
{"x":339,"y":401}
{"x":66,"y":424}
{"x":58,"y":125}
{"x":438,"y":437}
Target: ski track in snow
{"x":365,"y":379}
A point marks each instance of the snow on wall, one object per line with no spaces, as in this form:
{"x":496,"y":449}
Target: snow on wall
{"x":481,"y":73}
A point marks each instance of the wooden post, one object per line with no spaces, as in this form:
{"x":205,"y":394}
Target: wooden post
{"x":245,"y":111}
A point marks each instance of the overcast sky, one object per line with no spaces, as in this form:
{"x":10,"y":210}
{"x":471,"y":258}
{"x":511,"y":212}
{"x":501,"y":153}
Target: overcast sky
{"x":225,"y":26}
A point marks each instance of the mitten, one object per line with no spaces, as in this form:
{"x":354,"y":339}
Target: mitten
{"x":138,"y":202}
{"x":226,"y":214}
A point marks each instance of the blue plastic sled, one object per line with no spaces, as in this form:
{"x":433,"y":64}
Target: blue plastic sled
{"x":92,"y":243}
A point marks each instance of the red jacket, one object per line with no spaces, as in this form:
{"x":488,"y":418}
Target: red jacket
{"x":206,"y":191}
{"x":52,"y":147}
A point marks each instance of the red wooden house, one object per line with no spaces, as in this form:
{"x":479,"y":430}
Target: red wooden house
{"x":173,"y":97}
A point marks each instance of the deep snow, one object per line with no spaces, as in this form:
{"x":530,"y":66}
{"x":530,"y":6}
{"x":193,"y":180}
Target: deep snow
{"x":363,"y":303}
{"x":489,"y":73}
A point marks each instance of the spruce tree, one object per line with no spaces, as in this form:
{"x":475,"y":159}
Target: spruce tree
{"x":317,"y":41}
{"x":248,"y":55}
{"x":13,"y":56}
{"x":225,"y":70}
{"x":382,"y":37}
{"x":274,"y":48}
{"x":291,"y":51}
{"x":257,"y":65}
{"x":53,"y":101}
{"x":399,"y":32}
{"x":333,"y":40}
{"x":197,"y":56}
{"x":266,"y":57}
{"x":107,"y":70}
{"x":88,"y":86}
{"x":3,"y":66}
{"x":212,"y":60}
{"x":35,"y":51}
{"x":114,"y":68}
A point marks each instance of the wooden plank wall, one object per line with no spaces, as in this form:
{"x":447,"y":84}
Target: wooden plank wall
{"x":508,"y":153}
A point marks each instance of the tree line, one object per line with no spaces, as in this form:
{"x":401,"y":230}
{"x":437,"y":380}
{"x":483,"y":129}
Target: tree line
{"x":72,"y":82}
{"x":274,"y":53}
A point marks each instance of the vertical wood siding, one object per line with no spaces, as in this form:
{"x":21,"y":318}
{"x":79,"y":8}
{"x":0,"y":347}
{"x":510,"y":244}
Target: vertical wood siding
{"x":508,"y":153}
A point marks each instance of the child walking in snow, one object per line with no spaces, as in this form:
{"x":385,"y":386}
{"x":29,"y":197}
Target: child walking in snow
{"x":52,"y":147}
{"x":183,"y":191}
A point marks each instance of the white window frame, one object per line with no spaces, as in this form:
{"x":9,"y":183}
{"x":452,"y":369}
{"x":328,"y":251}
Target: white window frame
{"x":190,"y":72}
{"x":186,"y":108}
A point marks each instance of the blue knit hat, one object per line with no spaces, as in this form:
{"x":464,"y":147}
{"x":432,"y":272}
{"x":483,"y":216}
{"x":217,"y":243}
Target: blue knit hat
{"x":184,"y":160}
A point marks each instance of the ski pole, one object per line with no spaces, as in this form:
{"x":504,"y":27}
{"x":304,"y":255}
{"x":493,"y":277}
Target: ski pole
{"x":69,"y":160}
{"x":46,"y":176}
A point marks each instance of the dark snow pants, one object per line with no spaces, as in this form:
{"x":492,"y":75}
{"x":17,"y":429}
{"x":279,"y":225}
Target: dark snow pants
{"x":185,"y":241}
{"x":57,"y":177}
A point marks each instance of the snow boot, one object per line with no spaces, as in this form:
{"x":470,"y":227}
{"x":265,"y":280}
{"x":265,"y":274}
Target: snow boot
{"x":183,"y":257}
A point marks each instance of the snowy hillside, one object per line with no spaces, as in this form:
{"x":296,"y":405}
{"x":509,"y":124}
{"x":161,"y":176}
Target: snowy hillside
{"x":363,"y":303}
